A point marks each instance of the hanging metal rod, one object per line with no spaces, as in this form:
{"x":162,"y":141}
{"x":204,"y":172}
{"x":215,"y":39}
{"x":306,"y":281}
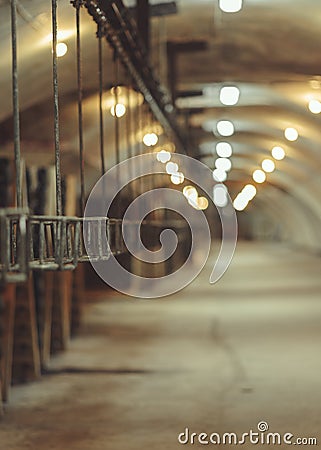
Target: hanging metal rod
{"x":15,"y":103}
{"x":116,"y":24}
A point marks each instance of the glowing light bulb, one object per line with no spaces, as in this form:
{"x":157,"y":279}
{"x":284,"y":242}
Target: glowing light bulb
{"x":259,"y":176}
{"x":61,"y":49}
{"x":120,"y":110}
{"x":219,"y":175}
{"x":62,"y":35}
{"x":163,"y":156}
{"x":230,"y":6}
{"x":229,"y":95}
{"x":240,"y":203}
{"x":220,"y":195}
{"x":291,"y":134}
{"x":225,"y":128}
{"x":249,"y":191}
{"x":193,"y":202}
{"x":278,"y":153}
{"x":190,"y":192}
{"x":223,"y":164}
{"x":268,"y":165}
{"x":224,"y":150}
{"x":315,"y":106}
{"x":202,"y":203}
{"x":150,"y":139}
{"x":177,"y":178}
{"x":171,"y":168}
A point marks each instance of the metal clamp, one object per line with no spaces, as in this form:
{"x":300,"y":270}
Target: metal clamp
{"x":14,"y":235}
{"x":54,"y":242}
{"x":95,"y":231}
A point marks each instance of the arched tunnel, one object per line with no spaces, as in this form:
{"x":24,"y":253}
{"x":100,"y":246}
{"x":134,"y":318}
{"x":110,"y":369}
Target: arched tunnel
{"x":160,"y":224}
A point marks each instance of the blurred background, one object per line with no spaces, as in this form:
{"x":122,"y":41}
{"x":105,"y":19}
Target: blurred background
{"x":85,"y":85}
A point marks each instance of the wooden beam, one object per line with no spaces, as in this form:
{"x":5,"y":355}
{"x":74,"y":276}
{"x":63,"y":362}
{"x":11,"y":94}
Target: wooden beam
{"x":26,"y":357}
{"x":7,"y":328}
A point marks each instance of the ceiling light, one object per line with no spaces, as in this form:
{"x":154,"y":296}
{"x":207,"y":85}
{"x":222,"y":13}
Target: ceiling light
{"x":219,"y":175}
{"x":220,"y":195}
{"x":177,"y":178}
{"x":240,"y":203}
{"x":278,"y":153}
{"x":223,"y":164}
{"x":150,"y":139}
{"x":249,"y":191}
{"x":171,"y":168}
{"x":61,"y":49}
{"x":230,"y":6}
{"x":163,"y":156}
{"x":120,"y":110}
{"x":259,"y":176}
{"x":224,"y":150}
{"x":193,"y":202}
{"x":229,"y":95}
{"x":190,"y":192}
{"x":202,"y":203}
{"x":315,"y":106}
{"x":61,"y":36}
{"x":268,"y":165}
{"x":291,"y":134}
{"x":225,"y":128}
{"x":315,"y":83}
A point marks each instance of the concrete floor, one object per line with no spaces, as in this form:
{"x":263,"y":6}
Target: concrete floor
{"x":212,"y":358}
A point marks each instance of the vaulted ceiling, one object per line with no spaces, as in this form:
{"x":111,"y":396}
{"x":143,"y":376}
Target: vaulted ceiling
{"x":269,"y":50}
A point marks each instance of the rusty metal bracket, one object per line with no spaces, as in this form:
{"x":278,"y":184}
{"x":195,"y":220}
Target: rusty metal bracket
{"x":14,"y":236}
{"x":53,"y":243}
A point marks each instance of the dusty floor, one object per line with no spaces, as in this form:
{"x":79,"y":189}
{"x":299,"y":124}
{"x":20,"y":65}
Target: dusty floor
{"x":212,"y":358}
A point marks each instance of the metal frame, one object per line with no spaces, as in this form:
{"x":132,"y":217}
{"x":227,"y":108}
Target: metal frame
{"x":54,"y":242}
{"x":115,"y":23}
{"x":94,"y":231}
{"x":29,"y":242}
{"x":14,"y":236}
{"x":57,"y":243}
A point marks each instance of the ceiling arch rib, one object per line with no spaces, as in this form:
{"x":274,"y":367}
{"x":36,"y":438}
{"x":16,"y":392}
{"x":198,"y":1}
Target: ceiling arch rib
{"x":298,"y":162}
{"x":303,"y":193}
{"x":290,"y":98}
{"x":300,"y":221}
